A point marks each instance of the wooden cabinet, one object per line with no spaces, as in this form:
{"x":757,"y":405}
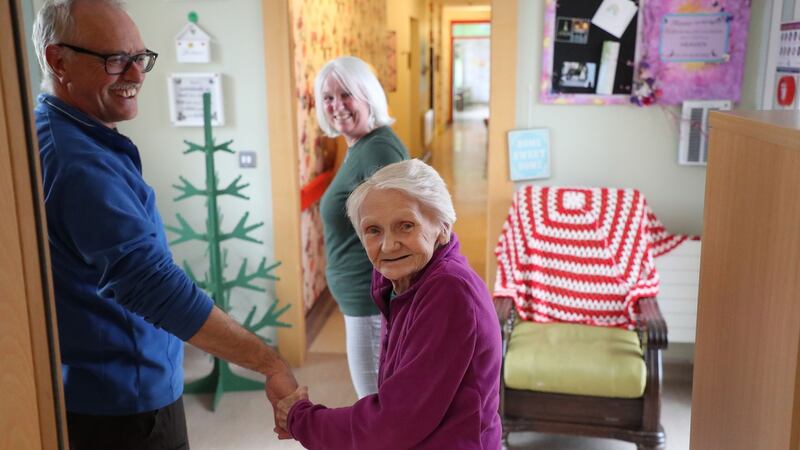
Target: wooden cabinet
{"x":746,"y":391}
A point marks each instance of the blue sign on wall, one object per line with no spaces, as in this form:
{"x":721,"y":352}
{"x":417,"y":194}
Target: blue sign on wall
{"x":529,"y":154}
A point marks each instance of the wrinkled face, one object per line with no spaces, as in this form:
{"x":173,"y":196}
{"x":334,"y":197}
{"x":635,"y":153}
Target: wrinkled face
{"x":82,"y":80}
{"x":399,"y":236}
{"x":346,"y":114}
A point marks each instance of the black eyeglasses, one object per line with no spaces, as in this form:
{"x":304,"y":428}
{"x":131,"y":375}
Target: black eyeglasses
{"x":118,"y":63}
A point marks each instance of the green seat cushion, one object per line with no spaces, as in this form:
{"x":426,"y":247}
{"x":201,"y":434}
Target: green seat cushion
{"x":575,"y":359}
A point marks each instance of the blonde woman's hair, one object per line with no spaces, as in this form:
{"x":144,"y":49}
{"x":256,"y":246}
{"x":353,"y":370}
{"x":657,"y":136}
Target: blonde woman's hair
{"x":357,"y":78}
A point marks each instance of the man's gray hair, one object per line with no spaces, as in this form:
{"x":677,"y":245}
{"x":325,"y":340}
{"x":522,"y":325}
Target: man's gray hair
{"x":357,"y":78}
{"x":54,"y":24}
{"x":415,"y":179}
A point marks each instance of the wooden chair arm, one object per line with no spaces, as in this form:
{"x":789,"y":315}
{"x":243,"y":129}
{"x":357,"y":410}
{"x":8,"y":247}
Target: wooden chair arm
{"x":503,"y":306}
{"x":505,"y":314}
{"x":652,"y":326}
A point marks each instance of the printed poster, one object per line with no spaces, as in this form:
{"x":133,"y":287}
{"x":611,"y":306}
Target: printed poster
{"x":529,"y":154}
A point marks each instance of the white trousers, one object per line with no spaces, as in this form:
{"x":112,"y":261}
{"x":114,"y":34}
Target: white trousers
{"x":363,"y":350}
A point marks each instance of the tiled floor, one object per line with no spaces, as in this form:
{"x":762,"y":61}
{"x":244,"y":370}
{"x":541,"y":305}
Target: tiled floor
{"x":243,"y":420}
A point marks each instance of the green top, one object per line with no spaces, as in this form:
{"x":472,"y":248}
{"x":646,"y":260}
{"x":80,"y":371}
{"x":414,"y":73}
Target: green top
{"x":349,"y":271}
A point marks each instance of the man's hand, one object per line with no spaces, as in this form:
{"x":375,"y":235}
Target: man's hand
{"x":221,"y":336}
{"x":279,"y":386}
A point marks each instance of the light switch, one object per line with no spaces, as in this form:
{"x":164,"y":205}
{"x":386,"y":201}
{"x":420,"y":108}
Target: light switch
{"x":247,"y":159}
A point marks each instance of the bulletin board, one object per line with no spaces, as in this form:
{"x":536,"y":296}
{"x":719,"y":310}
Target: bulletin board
{"x":694,"y":49}
{"x":573,"y":47}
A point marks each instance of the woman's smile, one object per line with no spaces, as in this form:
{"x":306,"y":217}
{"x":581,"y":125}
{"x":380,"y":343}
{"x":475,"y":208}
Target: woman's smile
{"x":395,"y":259}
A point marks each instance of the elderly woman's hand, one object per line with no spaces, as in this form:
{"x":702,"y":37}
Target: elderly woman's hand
{"x":285,"y":405}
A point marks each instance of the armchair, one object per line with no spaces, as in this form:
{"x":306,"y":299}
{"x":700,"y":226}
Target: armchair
{"x":582,"y":331}
{"x":636,"y":420}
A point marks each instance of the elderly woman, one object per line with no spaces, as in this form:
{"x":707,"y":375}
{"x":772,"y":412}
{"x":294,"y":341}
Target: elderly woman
{"x":440,"y":358}
{"x":350,"y":102}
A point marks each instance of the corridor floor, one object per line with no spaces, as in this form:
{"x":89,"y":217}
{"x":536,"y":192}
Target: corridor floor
{"x":459,"y":155}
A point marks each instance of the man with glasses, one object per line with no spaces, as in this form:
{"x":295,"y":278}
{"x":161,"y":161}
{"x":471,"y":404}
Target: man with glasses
{"x":123,"y":305}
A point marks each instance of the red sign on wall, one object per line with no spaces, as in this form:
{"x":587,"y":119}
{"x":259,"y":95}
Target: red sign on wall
{"x":786,"y":91}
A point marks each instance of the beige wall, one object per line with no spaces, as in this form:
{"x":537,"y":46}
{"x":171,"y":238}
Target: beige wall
{"x":404,"y":103}
{"x":502,"y":111}
{"x":237,"y":45}
{"x":616,"y":146}
{"x":285,"y":174}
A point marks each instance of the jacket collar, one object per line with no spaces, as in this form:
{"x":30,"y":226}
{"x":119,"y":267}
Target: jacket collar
{"x":72,"y":113}
{"x":91,"y":126}
{"x":382,"y":286}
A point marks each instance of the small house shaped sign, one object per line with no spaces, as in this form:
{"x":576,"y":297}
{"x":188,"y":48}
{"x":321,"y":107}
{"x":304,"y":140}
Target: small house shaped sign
{"x":193,"y":45}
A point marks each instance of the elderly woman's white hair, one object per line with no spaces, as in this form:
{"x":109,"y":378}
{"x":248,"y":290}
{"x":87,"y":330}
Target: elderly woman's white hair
{"x":54,"y":24}
{"x":357,"y":78}
{"x":415,"y":179}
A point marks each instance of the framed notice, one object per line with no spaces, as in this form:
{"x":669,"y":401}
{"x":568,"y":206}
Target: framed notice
{"x":529,"y":154}
{"x":186,"y":98}
{"x":193,"y":45}
{"x":700,"y":37}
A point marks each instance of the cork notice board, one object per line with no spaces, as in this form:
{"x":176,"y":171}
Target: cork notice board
{"x":573,"y":49}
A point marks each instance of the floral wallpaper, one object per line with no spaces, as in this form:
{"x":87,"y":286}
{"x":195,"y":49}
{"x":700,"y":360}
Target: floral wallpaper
{"x":323,"y":30}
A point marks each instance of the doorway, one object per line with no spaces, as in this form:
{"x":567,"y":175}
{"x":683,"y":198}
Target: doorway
{"x":460,"y":150}
{"x":31,"y":408}
{"x":470,"y":69}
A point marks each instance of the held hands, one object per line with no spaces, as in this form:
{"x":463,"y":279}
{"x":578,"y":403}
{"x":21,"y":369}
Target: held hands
{"x":285,"y":405}
{"x":280,"y":385}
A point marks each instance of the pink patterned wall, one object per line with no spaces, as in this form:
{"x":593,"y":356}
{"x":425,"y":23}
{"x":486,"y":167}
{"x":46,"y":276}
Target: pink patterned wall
{"x":677,"y":81}
{"x":323,"y":30}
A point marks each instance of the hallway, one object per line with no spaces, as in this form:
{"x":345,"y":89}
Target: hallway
{"x":244,"y":420}
{"x":459,"y":155}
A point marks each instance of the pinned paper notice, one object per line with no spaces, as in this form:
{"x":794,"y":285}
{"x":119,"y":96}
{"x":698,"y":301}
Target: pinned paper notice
{"x":614,"y":16}
{"x":608,"y":68}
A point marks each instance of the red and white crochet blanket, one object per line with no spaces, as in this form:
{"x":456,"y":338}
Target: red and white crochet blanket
{"x":580,"y":255}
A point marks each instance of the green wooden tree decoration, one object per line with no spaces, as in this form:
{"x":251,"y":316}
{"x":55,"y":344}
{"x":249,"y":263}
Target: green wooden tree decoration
{"x":221,"y":378}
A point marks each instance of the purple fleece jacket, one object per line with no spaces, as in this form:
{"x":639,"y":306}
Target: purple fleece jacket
{"x":438,"y":384}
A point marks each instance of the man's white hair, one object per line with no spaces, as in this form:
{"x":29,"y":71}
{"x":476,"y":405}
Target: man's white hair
{"x":357,"y":78}
{"x":54,"y":24}
{"x":415,"y":179}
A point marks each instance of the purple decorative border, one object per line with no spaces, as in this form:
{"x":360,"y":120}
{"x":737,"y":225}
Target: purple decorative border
{"x":676,"y":81}
{"x":546,"y":95}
